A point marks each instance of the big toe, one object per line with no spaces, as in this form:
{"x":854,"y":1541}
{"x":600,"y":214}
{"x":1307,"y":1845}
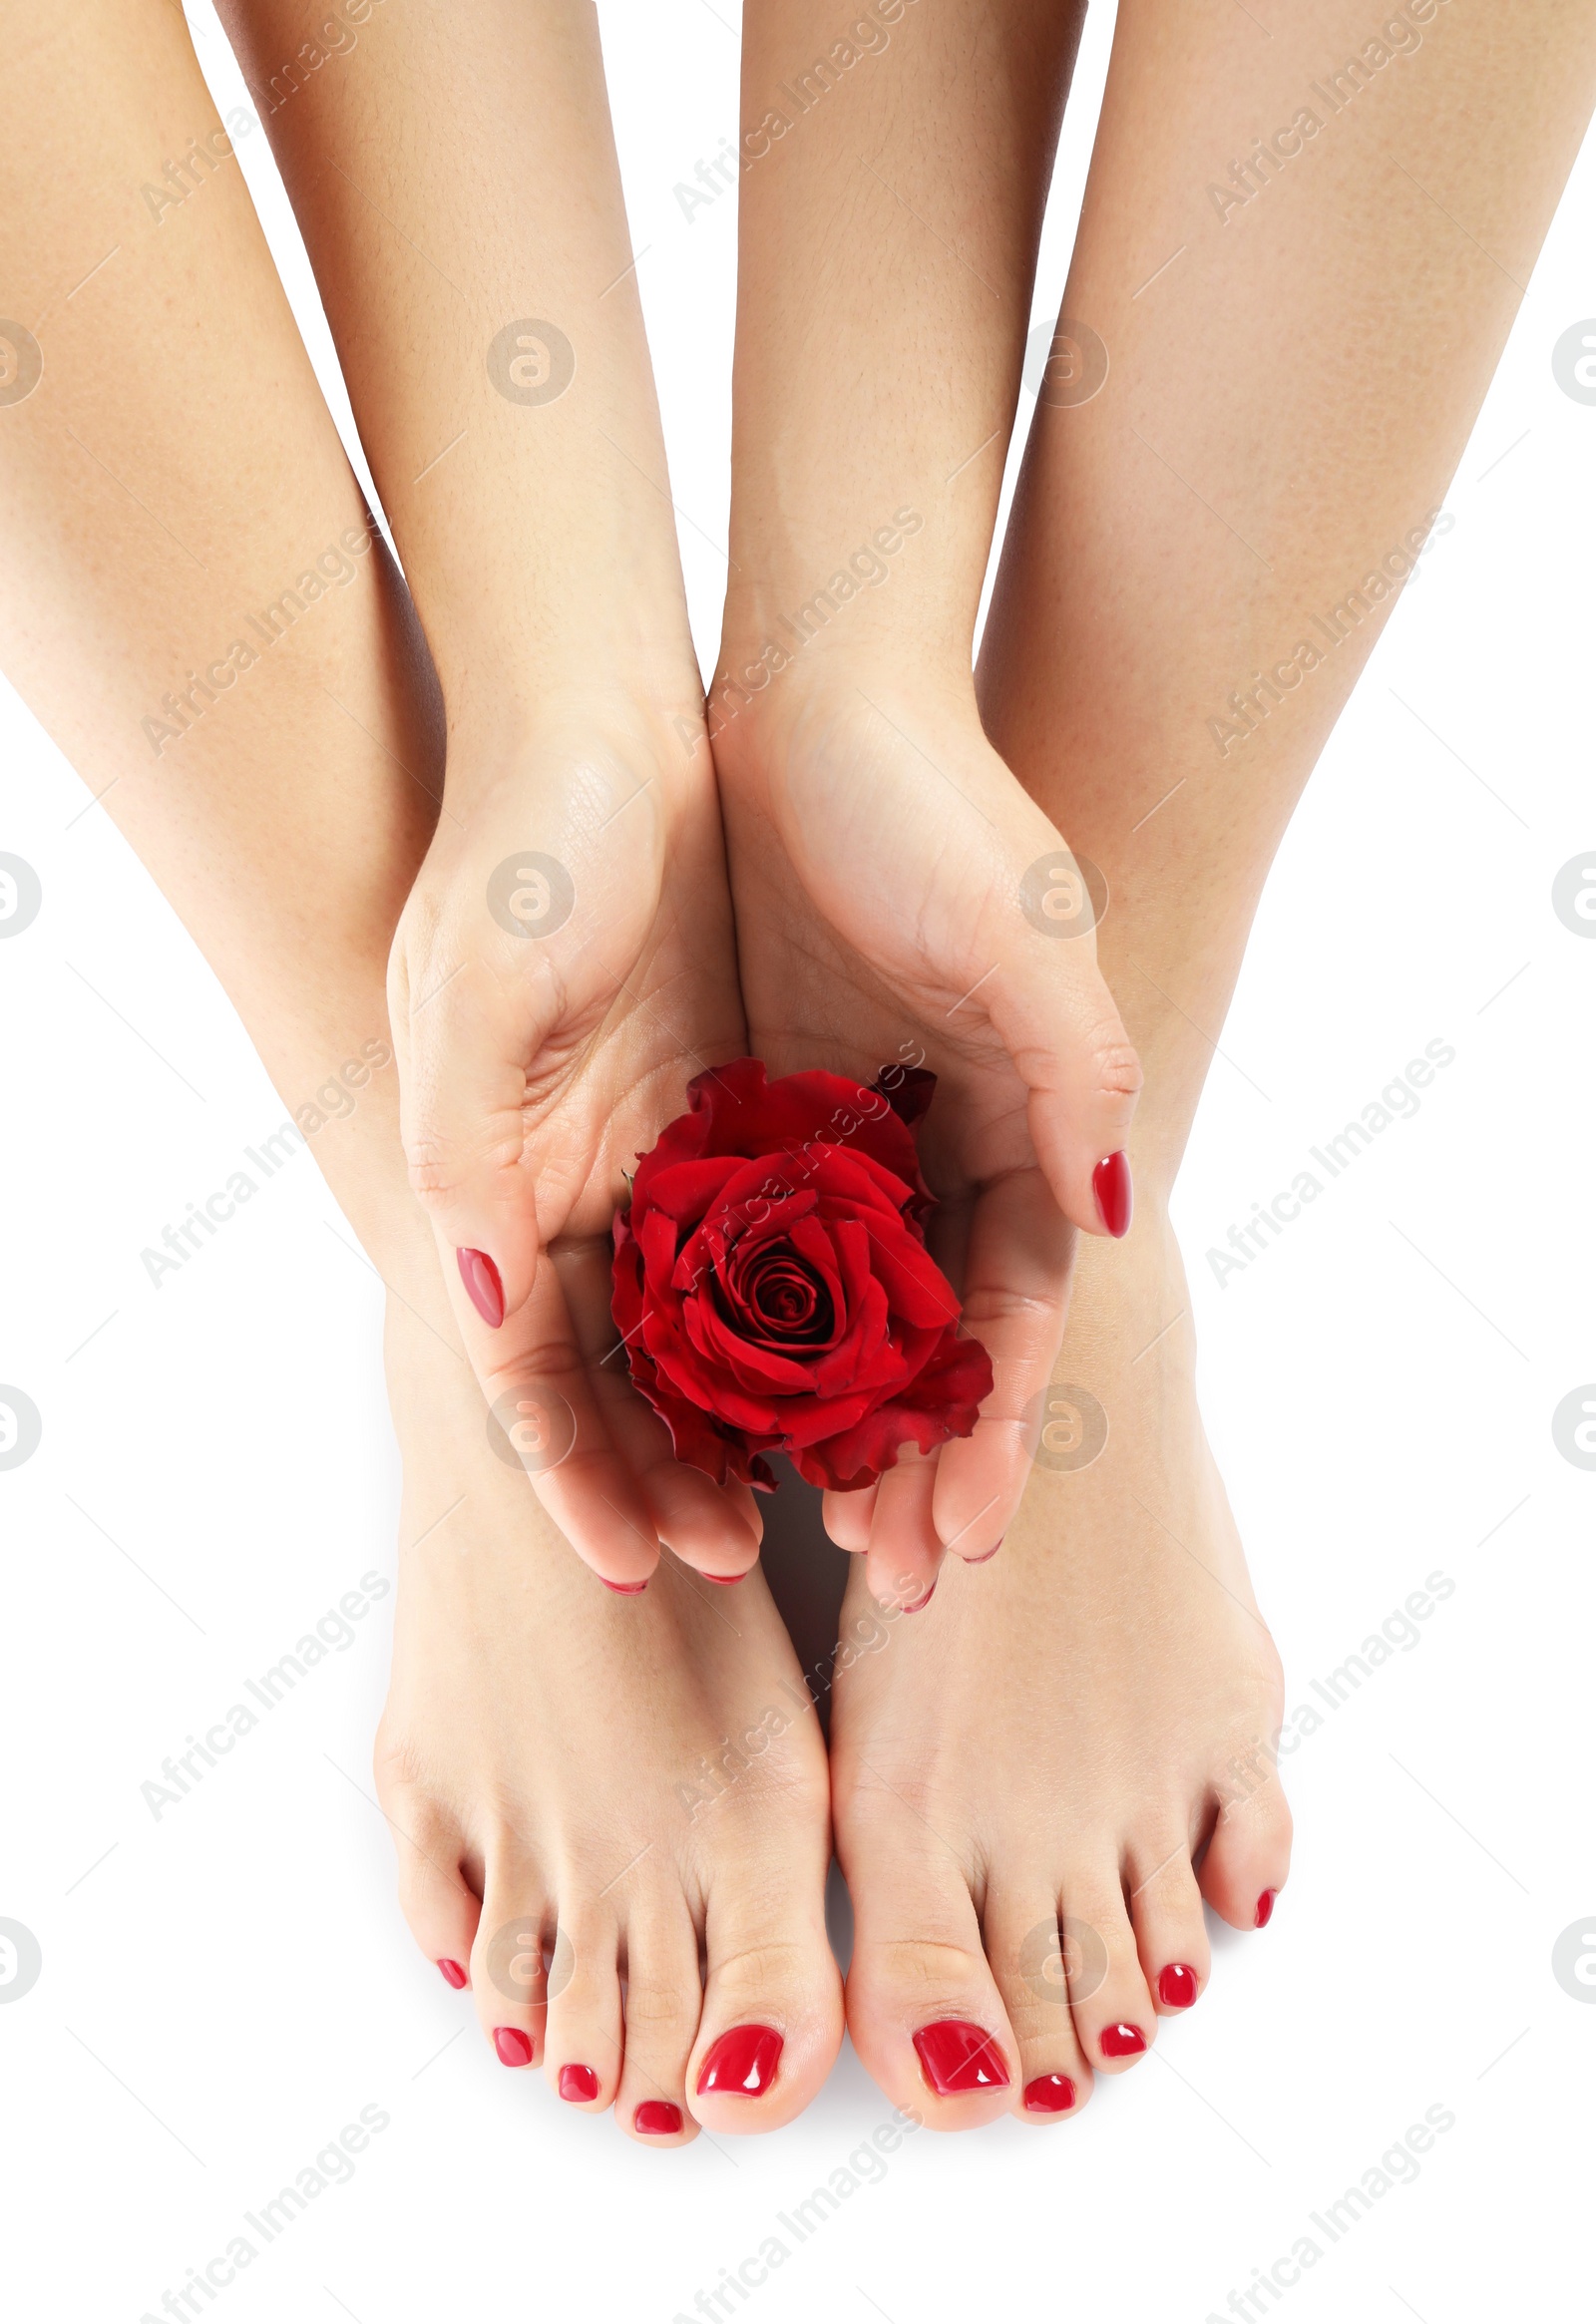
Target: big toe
{"x":772,"y":2017}
{"x":924,"y":2010}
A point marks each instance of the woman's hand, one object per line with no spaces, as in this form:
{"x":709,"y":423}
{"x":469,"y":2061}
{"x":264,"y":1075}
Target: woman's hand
{"x":900,"y":897}
{"x":562,"y":969}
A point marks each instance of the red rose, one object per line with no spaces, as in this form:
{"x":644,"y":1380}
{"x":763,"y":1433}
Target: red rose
{"x":772,"y":1283}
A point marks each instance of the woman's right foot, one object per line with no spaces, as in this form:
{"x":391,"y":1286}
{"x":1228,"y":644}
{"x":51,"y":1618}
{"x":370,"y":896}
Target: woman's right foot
{"x":593,"y":1793}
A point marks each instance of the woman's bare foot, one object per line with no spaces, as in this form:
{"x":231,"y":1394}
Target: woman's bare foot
{"x":1041,"y":1780}
{"x":609,"y":1809}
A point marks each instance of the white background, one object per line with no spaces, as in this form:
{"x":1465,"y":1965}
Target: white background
{"x":223,"y":1990}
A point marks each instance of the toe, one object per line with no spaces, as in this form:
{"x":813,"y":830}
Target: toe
{"x":663,"y":2001}
{"x":583,"y":2048}
{"x":507,"y":1961}
{"x":438,"y":1903}
{"x":923,"y":2010}
{"x":1166,"y":1911}
{"x":1249,"y":1855}
{"x":1025,"y":1947}
{"x":1114,"y":2012}
{"x":773,"y":2012}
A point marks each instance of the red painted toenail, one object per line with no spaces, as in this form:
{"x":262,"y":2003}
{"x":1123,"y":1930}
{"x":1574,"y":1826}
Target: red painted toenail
{"x":579,"y":2084}
{"x":1123,"y":2040}
{"x":725,"y":1580}
{"x":1049,"y":2093}
{"x":656,"y":2118}
{"x":484,"y":1288}
{"x":514,"y":2047}
{"x":452,"y":1974}
{"x":625,"y":1589}
{"x":742,"y":2061}
{"x":1177,"y":1986}
{"x":1110,"y":1183}
{"x":1264,"y":1909}
{"x":957,"y":2056}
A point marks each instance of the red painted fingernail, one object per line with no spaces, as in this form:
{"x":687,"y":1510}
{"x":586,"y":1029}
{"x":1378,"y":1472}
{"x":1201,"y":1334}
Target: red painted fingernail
{"x":483,"y":1287}
{"x":452,"y":1974}
{"x":1123,"y":2040}
{"x":955,"y":2057}
{"x":1049,"y":2093}
{"x":742,"y":2061}
{"x":1177,"y":1986}
{"x":725,"y":1580}
{"x":625,"y":1589}
{"x":1264,"y":1909}
{"x":920,"y":1604}
{"x":579,"y":2084}
{"x":656,"y":2118}
{"x":1110,"y":1183}
{"x":987,"y":1555}
{"x":514,"y":2047}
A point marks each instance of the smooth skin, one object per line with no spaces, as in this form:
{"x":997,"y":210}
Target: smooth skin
{"x":880,"y":848}
{"x":1125,"y":1771}
{"x":488,"y":324}
{"x":532,"y":1072}
{"x":629,"y":1778}
{"x":1072,"y":1750}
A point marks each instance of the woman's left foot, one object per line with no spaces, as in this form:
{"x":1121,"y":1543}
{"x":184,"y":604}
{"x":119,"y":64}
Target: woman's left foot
{"x":1044,"y":1774}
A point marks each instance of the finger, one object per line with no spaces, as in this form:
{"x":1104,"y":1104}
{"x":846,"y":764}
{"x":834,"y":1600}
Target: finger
{"x":543,"y":1416}
{"x":904,"y":1554}
{"x":1016,"y":1292}
{"x":464,"y":1036}
{"x":1048,"y":1004}
{"x":846,"y":1517}
{"x":716,"y":1528}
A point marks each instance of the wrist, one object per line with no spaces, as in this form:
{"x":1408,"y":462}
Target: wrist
{"x":769,"y":693}
{"x":621,"y":724}
{"x":896,"y":585}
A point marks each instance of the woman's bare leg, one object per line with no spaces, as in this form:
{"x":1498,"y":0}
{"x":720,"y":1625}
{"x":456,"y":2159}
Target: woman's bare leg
{"x":191,"y":602}
{"x":456,"y":183}
{"x":1079,"y":1720}
{"x":890,"y":199}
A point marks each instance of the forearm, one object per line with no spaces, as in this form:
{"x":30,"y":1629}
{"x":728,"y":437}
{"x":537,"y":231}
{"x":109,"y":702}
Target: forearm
{"x":454,"y":174}
{"x":890,"y":213}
